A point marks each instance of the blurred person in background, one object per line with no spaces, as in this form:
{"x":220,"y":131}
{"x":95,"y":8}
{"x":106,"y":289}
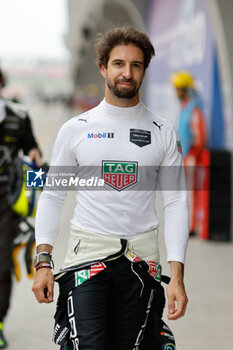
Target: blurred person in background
{"x":110,"y":283}
{"x":15,"y":134}
{"x":2,"y":79}
{"x":192,"y":132}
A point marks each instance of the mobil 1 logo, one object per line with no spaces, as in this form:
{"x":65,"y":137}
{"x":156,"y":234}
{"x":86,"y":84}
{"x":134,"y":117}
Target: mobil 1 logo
{"x":100,"y":135}
{"x":119,"y":174}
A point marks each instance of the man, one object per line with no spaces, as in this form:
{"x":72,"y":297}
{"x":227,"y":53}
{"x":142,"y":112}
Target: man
{"x":15,"y":135}
{"x":106,"y":284}
{"x":192,"y":133}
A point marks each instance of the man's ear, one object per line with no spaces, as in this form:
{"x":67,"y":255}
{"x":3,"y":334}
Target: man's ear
{"x":103,"y":70}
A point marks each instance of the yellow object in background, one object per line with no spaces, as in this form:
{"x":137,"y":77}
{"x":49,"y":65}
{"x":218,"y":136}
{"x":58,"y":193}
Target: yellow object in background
{"x":182,"y":80}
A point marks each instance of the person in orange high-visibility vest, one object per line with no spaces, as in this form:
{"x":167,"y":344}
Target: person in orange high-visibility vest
{"x":192,"y":132}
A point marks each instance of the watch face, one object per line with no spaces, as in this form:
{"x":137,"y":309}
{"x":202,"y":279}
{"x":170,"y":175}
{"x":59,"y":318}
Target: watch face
{"x":42,"y":258}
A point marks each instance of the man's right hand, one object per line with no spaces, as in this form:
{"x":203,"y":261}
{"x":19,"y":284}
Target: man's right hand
{"x":43,"y":285}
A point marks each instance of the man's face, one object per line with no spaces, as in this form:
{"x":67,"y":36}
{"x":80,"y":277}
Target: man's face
{"x":181,"y":94}
{"x":124,"y":72}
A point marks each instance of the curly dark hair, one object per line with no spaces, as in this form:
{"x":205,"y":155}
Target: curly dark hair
{"x":122,"y":35}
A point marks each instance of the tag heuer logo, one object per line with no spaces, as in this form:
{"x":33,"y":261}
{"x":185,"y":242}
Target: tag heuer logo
{"x":119,"y":175}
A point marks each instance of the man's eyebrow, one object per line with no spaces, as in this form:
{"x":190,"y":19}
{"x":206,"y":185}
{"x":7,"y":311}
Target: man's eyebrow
{"x":120,"y":60}
{"x":117,"y":60}
{"x":138,"y":62}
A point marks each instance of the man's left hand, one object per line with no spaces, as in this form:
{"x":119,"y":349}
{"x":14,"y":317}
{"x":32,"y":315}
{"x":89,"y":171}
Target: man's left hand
{"x":177,"y":300}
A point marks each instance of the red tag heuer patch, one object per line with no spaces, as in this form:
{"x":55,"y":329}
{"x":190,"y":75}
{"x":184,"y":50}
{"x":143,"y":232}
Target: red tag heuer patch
{"x":120,"y":174}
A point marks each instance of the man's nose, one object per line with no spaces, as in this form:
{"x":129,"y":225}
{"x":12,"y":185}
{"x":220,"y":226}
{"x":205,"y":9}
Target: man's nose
{"x":127,"y":71}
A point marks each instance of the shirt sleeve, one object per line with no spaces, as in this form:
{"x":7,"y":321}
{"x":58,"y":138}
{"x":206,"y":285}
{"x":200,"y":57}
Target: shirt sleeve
{"x":171,"y":182}
{"x":51,"y":200}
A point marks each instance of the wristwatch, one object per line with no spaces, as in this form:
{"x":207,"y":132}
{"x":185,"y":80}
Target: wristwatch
{"x":42,"y":257}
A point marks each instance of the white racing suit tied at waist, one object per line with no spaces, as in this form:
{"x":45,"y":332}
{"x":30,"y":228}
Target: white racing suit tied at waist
{"x":89,"y":253}
{"x":87,"y":248}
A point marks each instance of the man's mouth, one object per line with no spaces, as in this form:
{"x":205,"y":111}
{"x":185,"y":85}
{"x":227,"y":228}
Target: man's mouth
{"x":125,"y":83}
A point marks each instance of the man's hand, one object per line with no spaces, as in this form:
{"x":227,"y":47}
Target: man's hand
{"x":34,"y":154}
{"x":177,"y":298}
{"x":43,"y":285}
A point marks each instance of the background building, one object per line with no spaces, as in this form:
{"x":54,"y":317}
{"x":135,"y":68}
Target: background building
{"x":193,"y":35}
{"x":86,"y":19}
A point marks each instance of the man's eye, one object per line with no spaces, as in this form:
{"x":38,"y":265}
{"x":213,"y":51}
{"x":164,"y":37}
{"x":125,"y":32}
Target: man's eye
{"x":118,"y":63}
{"x":137,"y":65}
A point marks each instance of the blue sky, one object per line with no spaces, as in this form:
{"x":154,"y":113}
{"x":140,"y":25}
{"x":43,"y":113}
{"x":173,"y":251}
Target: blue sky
{"x":33,"y":29}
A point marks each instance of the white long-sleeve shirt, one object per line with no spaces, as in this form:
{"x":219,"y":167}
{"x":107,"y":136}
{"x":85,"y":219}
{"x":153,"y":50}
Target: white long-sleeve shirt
{"x":134,"y":151}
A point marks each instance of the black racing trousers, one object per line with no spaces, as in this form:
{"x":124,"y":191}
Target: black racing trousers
{"x":6,"y":244}
{"x":110,"y":310}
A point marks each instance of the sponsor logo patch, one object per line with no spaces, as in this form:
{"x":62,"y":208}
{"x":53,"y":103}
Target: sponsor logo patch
{"x":154,"y":270}
{"x":82,"y":120}
{"x":101,"y":135}
{"x":84,"y":275}
{"x":119,"y":175}
{"x":158,"y":126}
{"x":132,"y":257}
{"x":178,"y":143}
{"x":98,"y":267}
{"x":140,"y":137}
{"x":81,"y":276}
